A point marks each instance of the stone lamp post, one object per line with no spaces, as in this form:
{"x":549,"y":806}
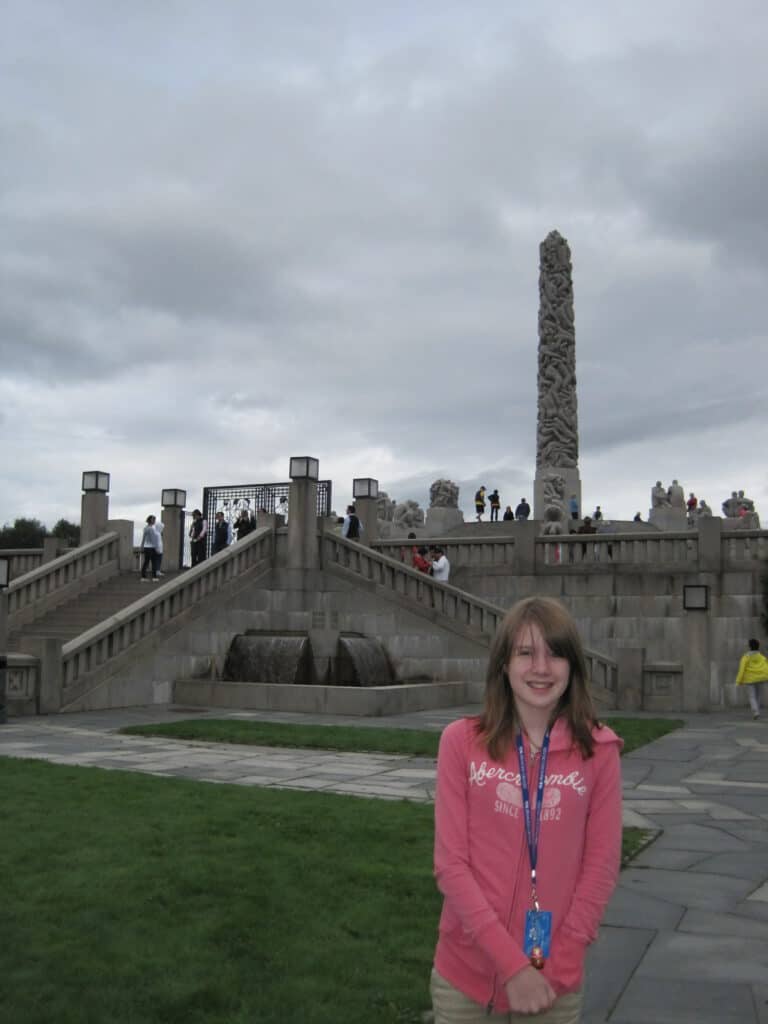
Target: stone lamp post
{"x":94,"y":507}
{"x":173,"y":500}
{"x":365,"y":492}
{"x":303,"y":549}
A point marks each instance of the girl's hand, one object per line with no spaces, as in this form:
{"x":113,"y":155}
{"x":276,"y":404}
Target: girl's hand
{"x":529,"y":992}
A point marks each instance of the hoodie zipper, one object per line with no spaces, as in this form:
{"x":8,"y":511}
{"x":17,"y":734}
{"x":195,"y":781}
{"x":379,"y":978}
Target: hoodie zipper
{"x":492,"y":1000}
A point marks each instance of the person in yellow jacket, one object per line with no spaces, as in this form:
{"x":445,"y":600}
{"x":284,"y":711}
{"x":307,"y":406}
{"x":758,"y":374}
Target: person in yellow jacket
{"x":753,"y":672}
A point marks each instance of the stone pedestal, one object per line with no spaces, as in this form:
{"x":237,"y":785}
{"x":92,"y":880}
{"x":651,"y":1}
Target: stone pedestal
{"x":442,"y":519}
{"x":94,"y":513}
{"x":667,"y":518}
{"x":303,"y":548}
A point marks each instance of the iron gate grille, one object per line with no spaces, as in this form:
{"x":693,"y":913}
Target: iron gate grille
{"x":253,"y":498}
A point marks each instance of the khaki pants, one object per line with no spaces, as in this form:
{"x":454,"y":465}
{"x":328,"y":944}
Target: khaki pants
{"x":452,"y":1007}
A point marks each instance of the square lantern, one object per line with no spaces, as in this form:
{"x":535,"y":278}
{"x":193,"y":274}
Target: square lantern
{"x":304,"y":468}
{"x":96,"y":481}
{"x":173,"y":498}
{"x":365,"y":487}
{"x":5,"y":572}
{"x":695,"y":597}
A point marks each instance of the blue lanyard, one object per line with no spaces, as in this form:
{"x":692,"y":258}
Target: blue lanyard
{"x":532,"y":831}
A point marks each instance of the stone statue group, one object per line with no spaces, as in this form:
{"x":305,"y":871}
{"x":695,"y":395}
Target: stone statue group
{"x":738,"y":506}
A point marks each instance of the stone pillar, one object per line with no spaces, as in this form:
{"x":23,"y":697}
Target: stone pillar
{"x":50,"y":548}
{"x":696,"y":659}
{"x":557,"y":438}
{"x":47,"y":649}
{"x":367,"y":513}
{"x":526,"y":531}
{"x":710,"y":530}
{"x":365,"y":494}
{"x":124,"y":528}
{"x":303,"y":545}
{"x":94,"y":508}
{"x":173,"y":501}
{"x":630,"y":661}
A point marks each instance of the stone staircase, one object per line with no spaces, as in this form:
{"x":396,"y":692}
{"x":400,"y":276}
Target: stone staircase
{"x":86,"y":610}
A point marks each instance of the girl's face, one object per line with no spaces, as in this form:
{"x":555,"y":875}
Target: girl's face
{"x":537,"y":678}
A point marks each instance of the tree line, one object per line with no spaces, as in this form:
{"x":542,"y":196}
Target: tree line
{"x":29,"y":533}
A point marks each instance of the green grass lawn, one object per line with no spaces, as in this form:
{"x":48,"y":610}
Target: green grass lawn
{"x":130,"y":899}
{"x":415,"y":742}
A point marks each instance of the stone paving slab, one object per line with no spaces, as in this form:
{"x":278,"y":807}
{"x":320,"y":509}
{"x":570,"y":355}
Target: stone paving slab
{"x":705,"y":922}
{"x":611,"y":961}
{"x":685,"y":1002}
{"x":725,"y":958}
{"x":701,"y":890}
{"x":749,"y":864}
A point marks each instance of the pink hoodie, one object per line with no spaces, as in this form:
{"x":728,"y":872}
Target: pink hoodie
{"x":482,"y":866}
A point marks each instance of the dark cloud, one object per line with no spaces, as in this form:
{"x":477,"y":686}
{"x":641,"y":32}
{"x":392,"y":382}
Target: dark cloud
{"x":304,"y":229}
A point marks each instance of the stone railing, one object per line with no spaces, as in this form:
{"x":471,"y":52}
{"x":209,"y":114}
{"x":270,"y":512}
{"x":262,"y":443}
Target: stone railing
{"x":96,"y":648}
{"x":744,"y":549}
{"x":38,"y":591}
{"x":470,"y":615}
{"x":667,"y":551}
{"x":475,"y":552}
{"x":22,"y":560}
{"x":603,"y":673}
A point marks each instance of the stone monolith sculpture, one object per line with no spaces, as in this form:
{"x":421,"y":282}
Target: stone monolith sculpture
{"x":557,"y":436}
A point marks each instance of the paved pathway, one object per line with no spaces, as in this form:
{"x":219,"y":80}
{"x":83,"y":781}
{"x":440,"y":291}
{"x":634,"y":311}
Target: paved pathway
{"x":686,"y":935}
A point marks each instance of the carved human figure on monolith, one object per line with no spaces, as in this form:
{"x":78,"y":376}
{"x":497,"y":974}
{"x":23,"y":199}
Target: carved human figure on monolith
{"x":557,"y":437}
{"x":555,"y":516}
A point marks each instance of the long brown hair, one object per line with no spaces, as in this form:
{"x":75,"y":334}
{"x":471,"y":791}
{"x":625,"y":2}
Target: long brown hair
{"x":498,"y":723}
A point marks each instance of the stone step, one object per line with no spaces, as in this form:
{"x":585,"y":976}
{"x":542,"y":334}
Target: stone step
{"x":86,"y":610}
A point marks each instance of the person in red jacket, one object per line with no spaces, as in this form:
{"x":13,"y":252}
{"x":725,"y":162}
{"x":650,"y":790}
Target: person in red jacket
{"x":527,"y":830}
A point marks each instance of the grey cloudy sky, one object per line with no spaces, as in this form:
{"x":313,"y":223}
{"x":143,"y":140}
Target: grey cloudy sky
{"x":231,"y":233}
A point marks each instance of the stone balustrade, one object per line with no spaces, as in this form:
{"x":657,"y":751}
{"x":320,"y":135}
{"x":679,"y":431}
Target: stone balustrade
{"x":39,"y":590}
{"x":482,"y":552}
{"x":471,"y":615}
{"x":22,"y":560}
{"x":478,"y":618}
{"x":648,"y":551}
{"x":94,"y":649}
{"x":744,"y":549}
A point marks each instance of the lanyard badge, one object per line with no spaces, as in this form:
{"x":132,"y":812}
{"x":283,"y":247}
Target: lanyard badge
{"x":538,"y":923}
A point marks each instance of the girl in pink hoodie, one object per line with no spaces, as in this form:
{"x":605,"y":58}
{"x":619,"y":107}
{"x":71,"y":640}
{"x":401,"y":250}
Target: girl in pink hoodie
{"x":527,"y":830}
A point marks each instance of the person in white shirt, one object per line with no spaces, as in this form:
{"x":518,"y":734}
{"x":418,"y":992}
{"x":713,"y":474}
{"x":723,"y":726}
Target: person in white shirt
{"x":159,"y":527}
{"x":441,"y":567}
{"x":149,"y":541}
